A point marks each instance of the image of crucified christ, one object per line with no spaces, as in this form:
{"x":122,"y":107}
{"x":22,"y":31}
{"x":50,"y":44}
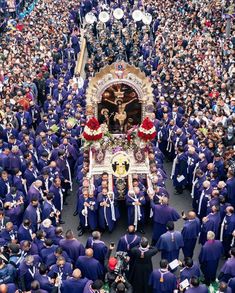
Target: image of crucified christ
{"x":121,"y":114}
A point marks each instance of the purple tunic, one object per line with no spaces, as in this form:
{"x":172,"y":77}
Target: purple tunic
{"x":199,"y":289}
{"x":73,"y":247}
{"x":90,"y":268}
{"x":127,"y":242}
{"x":169,"y":244}
{"x":190,"y":233}
{"x":209,"y":258}
{"x":162,"y":282}
{"x":161,"y":215}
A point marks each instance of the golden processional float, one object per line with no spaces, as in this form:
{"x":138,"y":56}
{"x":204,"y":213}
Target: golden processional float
{"x":119,"y":107}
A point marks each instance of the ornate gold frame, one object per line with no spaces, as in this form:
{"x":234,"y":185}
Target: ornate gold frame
{"x":110,"y":75}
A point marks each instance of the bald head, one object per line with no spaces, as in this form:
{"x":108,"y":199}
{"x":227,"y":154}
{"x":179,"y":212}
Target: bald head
{"x":77,"y":274}
{"x":89,"y":252}
{"x":191,"y":215}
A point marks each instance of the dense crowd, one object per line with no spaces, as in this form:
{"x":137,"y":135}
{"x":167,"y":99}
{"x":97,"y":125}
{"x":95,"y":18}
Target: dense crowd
{"x":190,"y":61}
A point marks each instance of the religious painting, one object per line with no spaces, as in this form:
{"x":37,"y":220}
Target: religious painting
{"x":120,"y":108}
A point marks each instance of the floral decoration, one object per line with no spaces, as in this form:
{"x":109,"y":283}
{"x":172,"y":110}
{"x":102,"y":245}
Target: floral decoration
{"x":92,"y":130}
{"x":147,"y":130}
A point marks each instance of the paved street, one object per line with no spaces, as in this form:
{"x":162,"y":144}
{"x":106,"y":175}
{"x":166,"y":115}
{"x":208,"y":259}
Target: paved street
{"x":180,"y":202}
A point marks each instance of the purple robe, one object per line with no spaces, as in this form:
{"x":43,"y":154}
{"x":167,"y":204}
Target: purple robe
{"x":190,"y":233}
{"x":15,"y":215}
{"x":209,"y":258}
{"x":192,"y":160}
{"x":65,"y":271}
{"x":131,"y":208}
{"x":24,"y":233}
{"x":73,"y":247}
{"x":162,"y":282}
{"x":180,"y":169}
{"x":14,"y":161}
{"x":58,"y":197}
{"x":92,"y":220}
{"x":74,"y":285}
{"x":90,"y":267}
{"x":169,"y":244}
{"x":228,"y":269}
{"x":31,"y":214}
{"x":213,"y":224}
{"x":50,"y":231}
{"x":230,"y":183}
{"x":128,"y":241}
{"x":17,"y":182}
{"x":105,"y":213}
{"x":99,"y":248}
{"x":199,"y":289}
{"x":26,"y":275}
{"x":9,"y":235}
{"x":161,"y":215}
{"x":30,"y":176}
{"x":44,"y":282}
{"x":50,"y":259}
{"x":33,"y":192}
{"x":231,"y":284}
{"x":11,"y":288}
{"x":188,"y":273}
{"x":47,"y":209}
{"x":46,"y":251}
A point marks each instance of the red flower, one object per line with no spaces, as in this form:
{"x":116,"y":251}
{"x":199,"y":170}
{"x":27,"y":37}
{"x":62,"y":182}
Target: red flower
{"x":93,"y":123}
{"x":92,"y":130}
{"x":147,"y":130}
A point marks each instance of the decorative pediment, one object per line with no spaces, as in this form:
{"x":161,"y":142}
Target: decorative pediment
{"x":119,"y":73}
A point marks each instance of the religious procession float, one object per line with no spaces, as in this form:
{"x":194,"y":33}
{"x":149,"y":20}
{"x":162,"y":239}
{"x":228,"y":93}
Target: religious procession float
{"x":119,"y":129}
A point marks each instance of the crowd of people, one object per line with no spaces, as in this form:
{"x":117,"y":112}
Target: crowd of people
{"x":190,"y":61}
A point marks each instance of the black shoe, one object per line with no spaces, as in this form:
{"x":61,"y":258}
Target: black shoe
{"x":141,"y":231}
{"x":81,"y":232}
{"x":75,"y":213}
{"x":79,"y":228}
{"x":65,"y":203}
{"x":61,"y":222}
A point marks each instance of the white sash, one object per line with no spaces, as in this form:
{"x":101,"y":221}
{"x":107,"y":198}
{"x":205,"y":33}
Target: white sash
{"x":8,"y":187}
{"x":61,"y":198}
{"x":112,"y":209}
{"x":222,"y":228}
{"x":70,"y":177}
{"x":127,"y":243}
{"x":173,"y":167}
{"x":38,"y":216}
{"x":137,"y":215}
{"x":32,"y":272}
{"x":194,"y":171}
{"x":193,"y":187}
{"x":200,"y":202}
{"x":86,"y":216}
{"x":169,"y":142}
